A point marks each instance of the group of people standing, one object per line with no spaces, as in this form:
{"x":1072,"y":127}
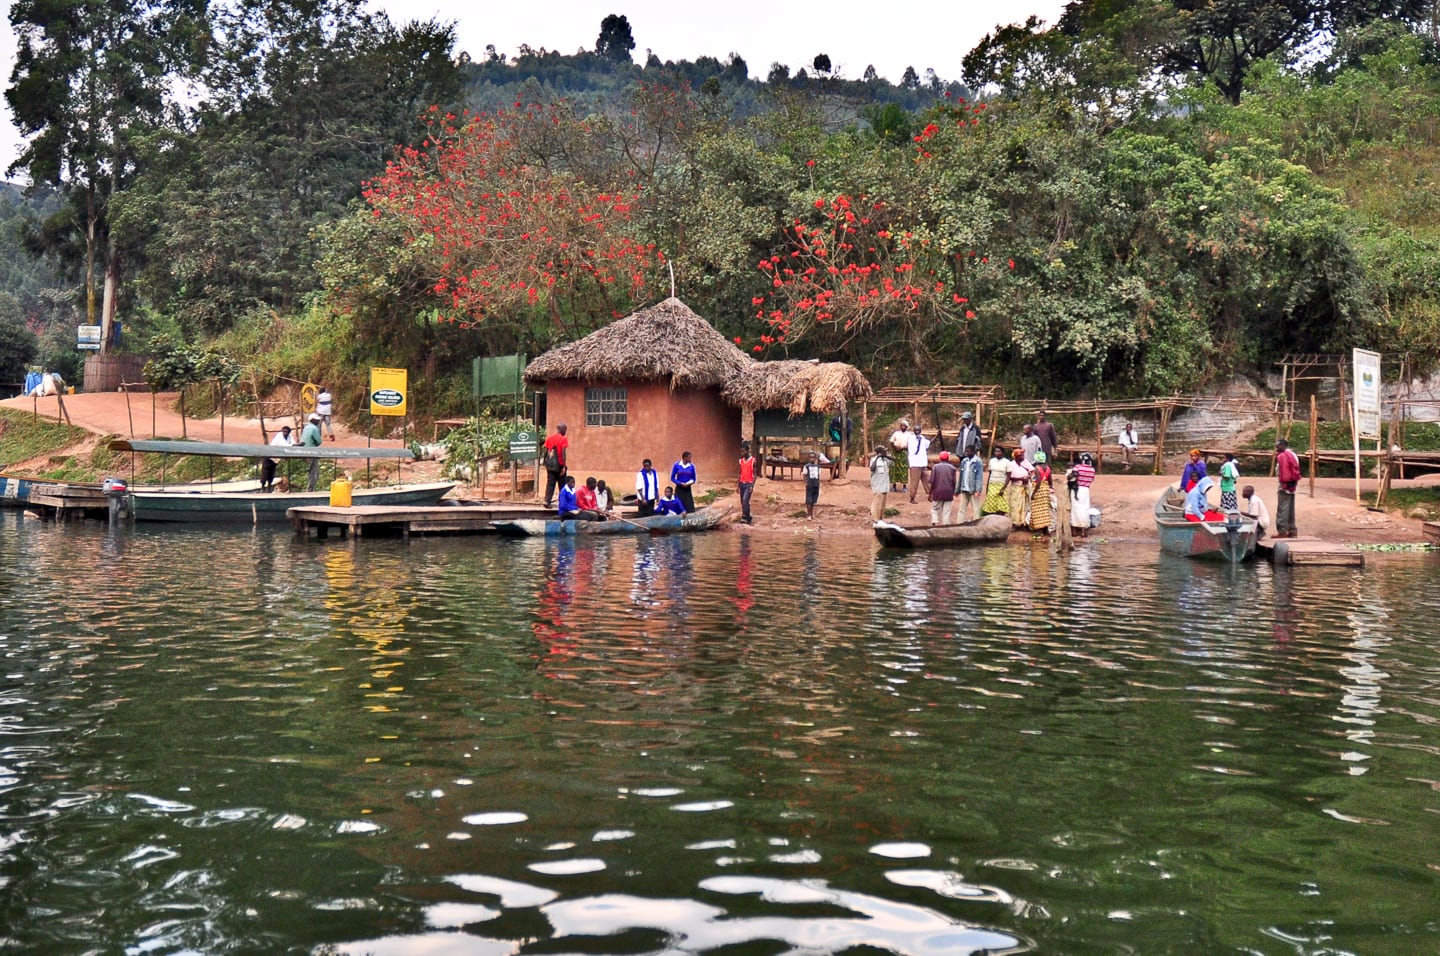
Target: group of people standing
{"x":1196,"y":483}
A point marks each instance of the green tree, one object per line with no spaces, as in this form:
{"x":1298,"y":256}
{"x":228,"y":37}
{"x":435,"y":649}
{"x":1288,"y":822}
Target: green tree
{"x":615,"y":41}
{"x":307,"y":101}
{"x":18,"y":344}
{"x":92,"y":78}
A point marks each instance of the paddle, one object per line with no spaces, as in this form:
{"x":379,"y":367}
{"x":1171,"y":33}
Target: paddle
{"x":642,"y":527}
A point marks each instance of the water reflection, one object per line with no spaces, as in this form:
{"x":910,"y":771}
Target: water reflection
{"x":220,"y":741}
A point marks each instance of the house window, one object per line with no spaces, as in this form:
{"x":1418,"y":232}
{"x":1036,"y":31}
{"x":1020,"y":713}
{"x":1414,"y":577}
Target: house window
{"x":606,"y":406}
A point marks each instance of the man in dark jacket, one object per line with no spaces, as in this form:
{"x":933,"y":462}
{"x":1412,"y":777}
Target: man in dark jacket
{"x":943,"y":478}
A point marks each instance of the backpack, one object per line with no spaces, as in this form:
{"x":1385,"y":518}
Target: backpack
{"x":551,"y":460}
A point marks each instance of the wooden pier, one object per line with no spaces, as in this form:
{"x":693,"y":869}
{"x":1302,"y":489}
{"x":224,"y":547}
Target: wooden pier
{"x":455,"y":518}
{"x":65,"y":501}
{"x":1306,"y":550}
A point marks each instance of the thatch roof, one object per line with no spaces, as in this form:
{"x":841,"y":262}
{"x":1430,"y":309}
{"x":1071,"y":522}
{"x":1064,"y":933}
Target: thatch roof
{"x":664,"y":342}
{"x":797,"y":386}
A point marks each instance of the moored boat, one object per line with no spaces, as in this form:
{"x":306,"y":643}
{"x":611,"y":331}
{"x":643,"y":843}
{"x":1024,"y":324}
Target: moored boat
{"x":209,"y":503}
{"x":705,"y":519}
{"x":987,"y":530}
{"x":1231,"y":540}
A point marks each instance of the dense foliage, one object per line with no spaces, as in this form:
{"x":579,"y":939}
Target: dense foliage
{"x":1130,"y":208}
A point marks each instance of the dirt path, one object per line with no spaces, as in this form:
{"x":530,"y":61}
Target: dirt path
{"x":107,"y":413}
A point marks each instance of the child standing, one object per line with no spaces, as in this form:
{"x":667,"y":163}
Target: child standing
{"x":811,"y":471}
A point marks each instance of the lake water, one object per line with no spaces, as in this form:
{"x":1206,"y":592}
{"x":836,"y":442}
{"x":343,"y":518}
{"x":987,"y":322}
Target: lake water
{"x":236,"y":742}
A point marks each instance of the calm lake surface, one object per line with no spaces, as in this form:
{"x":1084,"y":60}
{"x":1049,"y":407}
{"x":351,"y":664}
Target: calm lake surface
{"x":231,"y":742}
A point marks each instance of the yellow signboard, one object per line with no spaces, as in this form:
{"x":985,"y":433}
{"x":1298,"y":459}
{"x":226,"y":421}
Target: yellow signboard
{"x":387,"y":391}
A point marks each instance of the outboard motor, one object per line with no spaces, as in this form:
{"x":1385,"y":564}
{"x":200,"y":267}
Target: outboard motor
{"x":118,"y":494}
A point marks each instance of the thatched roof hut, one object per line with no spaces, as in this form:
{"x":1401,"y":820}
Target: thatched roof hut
{"x":797,"y":386}
{"x":666,"y":342}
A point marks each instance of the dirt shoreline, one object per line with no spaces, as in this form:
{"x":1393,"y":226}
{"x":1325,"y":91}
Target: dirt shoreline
{"x":1126,"y":500}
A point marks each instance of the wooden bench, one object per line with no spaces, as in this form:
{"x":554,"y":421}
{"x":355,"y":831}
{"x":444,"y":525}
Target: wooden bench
{"x":791,"y":465}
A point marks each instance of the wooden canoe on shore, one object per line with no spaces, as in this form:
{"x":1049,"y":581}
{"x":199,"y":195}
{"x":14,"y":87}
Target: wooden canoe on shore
{"x":988,"y":530}
{"x":705,"y":519}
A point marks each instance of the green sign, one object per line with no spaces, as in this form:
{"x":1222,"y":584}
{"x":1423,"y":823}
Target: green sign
{"x":498,"y":375}
{"x":525,"y":445}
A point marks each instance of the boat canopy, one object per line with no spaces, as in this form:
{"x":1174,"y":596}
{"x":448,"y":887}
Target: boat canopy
{"x":215,"y":449}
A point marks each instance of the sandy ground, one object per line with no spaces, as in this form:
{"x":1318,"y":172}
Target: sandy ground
{"x":1126,"y":500}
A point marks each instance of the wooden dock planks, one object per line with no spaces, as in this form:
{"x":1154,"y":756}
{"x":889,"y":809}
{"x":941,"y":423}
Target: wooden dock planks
{"x":1294,"y":552}
{"x":473,"y":518}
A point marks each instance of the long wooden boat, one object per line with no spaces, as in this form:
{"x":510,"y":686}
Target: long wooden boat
{"x":257,"y":507}
{"x":705,"y":519}
{"x":1231,"y":540}
{"x":207,"y":504}
{"x":987,"y":530}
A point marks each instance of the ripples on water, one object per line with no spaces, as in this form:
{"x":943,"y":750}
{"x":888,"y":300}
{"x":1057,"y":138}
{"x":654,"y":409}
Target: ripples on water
{"x":218,"y":741}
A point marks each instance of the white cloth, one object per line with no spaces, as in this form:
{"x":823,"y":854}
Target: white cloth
{"x":1080,"y":508}
{"x":325,"y":403}
{"x":1127,"y":439}
{"x":919,"y":451}
{"x":900,"y":439}
{"x":647,"y":485}
{"x":281,"y":440}
{"x":50,"y":384}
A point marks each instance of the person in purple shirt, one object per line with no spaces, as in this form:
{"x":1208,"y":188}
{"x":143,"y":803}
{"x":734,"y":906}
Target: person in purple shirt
{"x":1194,"y":471}
{"x":682,"y":476}
{"x":669,"y":504}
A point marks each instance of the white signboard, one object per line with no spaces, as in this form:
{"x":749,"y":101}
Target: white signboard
{"x":1367,"y":394}
{"x":87,"y":337}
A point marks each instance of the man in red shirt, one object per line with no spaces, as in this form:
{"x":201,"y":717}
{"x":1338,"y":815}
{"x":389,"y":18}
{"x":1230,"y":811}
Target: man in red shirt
{"x":747,"y":480}
{"x":1287,"y":471}
{"x":553,"y":455}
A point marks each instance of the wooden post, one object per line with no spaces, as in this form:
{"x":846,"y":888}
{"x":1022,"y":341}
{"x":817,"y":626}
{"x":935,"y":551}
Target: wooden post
{"x":128,"y":412}
{"x":1160,"y":438}
{"x":1355,"y":441}
{"x":1097,"y":435}
{"x":60,"y":403}
{"x":1279,"y":433}
{"x":1064,"y":541}
{"x":864,"y":431}
{"x":1314,"y":447}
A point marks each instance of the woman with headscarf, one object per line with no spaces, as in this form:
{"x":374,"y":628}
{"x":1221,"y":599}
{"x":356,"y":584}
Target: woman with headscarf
{"x":1194,"y":471}
{"x":1197,"y":502}
{"x":1081,"y":477}
{"x":1042,"y":515}
{"x":996,"y":476}
{"x":1016,"y":488}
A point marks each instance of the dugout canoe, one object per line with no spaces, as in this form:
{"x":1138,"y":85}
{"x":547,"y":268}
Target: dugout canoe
{"x":706,"y":519}
{"x":987,"y":530}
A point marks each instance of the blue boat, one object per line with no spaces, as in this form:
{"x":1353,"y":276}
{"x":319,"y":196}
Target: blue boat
{"x":1231,"y":540}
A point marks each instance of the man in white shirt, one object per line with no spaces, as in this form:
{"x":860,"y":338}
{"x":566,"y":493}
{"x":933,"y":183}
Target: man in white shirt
{"x":1128,"y":442}
{"x":281,"y":439}
{"x":1030,"y":444}
{"x":919,"y":452}
{"x":325,"y":408}
{"x":1252,"y":507}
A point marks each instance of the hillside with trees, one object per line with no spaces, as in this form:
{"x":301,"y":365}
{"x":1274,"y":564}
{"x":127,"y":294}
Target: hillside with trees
{"x":1145,"y":197}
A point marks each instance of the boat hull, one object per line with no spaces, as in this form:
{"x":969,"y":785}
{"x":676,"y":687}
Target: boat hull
{"x":1226,"y":541}
{"x":705,"y":519}
{"x":261,"y":508}
{"x":987,"y":530}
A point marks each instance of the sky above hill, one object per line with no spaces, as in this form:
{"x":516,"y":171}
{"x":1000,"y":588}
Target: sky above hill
{"x":927,"y":34}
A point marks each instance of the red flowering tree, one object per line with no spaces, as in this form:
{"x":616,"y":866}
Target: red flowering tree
{"x":503,"y":237}
{"x":860,"y":274}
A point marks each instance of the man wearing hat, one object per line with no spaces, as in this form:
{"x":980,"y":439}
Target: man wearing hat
{"x":310,"y":438}
{"x":969,"y":435}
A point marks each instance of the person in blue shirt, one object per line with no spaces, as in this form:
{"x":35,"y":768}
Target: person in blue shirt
{"x":1194,"y":471}
{"x":682,"y":476}
{"x":669,"y":504}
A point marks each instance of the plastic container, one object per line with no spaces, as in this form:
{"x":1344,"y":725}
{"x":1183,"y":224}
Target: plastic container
{"x":1094,"y":517}
{"x":340,"y":490}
